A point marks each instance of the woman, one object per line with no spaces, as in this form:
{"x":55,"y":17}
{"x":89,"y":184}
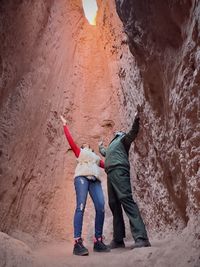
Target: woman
{"x":87,"y":179}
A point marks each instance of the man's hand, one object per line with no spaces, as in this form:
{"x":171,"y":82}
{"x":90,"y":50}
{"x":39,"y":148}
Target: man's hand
{"x":63,"y":120}
{"x":102,"y":149}
{"x":137,"y":115}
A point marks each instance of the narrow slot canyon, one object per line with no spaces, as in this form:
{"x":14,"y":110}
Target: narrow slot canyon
{"x":140,"y":55}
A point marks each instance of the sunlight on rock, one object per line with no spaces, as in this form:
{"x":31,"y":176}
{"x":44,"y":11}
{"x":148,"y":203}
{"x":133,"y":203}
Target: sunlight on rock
{"x":90,"y":9}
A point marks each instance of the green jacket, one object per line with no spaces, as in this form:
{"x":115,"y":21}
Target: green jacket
{"x":117,"y":153}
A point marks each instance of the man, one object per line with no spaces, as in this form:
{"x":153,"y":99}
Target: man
{"x":117,"y":167}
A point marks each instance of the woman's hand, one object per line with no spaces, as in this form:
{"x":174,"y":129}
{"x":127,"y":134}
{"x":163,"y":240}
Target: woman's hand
{"x":100,"y":143}
{"x":63,"y":120}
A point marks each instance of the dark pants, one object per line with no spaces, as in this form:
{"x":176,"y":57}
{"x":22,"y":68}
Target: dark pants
{"x":120,"y":195}
{"x":82,"y":187}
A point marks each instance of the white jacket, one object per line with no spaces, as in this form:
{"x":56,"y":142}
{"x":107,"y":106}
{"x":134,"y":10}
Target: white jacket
{"x":88,"y":164}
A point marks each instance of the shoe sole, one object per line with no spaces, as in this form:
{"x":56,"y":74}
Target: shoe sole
{"x":147,"y":246}
{"x":101,"y":251}
{"x":82,"y":254}
{"x":117,"y":247}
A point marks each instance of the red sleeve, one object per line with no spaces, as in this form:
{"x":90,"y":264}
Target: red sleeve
{"x":101,"y":164}
{"x":71,"y":142}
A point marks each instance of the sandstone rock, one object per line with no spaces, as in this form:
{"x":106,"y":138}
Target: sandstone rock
{"x":52,"y":62}
{"x":164,"y":41}
{"x":14,"y":253}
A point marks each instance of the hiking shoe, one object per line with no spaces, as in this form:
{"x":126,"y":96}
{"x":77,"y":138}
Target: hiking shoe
{"x":79,"y":248}
{"x":117,"y":244}
{"x":99,"y":246}
{"x":140,"y":243}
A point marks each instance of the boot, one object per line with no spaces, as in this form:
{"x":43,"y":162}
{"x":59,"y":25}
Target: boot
{"x":99,"y":245}
{"x":117,"y":244}
{"x":79,"y":248}
{"x":140,"y":243}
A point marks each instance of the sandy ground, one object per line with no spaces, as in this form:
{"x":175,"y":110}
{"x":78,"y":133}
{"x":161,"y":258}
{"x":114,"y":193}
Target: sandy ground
{"x":60,"y":255}
{"x":173,"y":250}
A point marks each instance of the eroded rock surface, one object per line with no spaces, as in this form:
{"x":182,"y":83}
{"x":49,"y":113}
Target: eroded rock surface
{"x":52,"y":62}
{"x":15,"y":253}
{"x":164,"y":39}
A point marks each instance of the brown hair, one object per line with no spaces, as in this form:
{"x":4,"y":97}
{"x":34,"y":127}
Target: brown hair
{"x":84,"y":145}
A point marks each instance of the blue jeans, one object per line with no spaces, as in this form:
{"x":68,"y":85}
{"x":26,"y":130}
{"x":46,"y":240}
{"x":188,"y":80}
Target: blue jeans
{"x":82,"y":187}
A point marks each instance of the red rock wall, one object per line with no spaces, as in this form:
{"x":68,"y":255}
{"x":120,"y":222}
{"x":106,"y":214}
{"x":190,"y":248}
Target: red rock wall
{"x":164,"y":40}
{"x":52,"y":62}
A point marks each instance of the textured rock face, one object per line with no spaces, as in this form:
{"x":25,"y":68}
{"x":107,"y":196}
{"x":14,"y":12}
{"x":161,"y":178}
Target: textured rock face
{"x":52,"y":62}
{"x":15,"y":253}
{"x":29,"y":116}
{"x":164,"y":38}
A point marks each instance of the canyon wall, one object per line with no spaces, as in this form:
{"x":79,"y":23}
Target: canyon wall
{"x":33,"y":93}
{"x":164,"y":39}
{"x":52,"y":62}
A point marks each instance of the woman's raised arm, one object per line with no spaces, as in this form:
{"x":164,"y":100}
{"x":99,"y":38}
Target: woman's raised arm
{"x":70,"y":140}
